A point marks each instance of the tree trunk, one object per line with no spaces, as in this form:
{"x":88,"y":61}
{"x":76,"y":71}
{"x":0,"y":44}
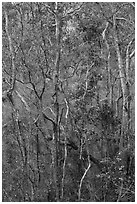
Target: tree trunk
{"x":128,"y":85}
{"x":56,"y":138}
{"x":109,"y":84}
{"x":122,"y":81}
{"x":11,"y":52}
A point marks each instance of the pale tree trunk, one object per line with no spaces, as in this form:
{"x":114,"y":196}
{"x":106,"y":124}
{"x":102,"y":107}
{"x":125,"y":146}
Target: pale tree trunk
{"x":65,"y":149}
{"x":11,"y":52}
{"x":122,"y":82}
{"x":108,"y":66}
{"x":56,"y":138}
{"x":128,"y":86}
{"x":9,"y":92}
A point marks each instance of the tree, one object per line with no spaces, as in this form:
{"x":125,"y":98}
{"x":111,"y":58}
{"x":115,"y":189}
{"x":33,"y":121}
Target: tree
{"x":68,"y":99}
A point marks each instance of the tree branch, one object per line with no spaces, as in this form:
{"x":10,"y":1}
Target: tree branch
{"x":132,"y":54}
{"x":74,"y":11}
{"x":50,"y":10}
{"x":47,"y":118}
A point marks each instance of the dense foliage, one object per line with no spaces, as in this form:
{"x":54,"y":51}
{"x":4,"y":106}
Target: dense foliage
{"x":68,"y":101}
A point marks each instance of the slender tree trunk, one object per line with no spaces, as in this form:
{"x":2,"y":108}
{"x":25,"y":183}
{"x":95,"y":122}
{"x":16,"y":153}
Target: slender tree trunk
{"x":57,"y":128}
{"x":11,"y":52}
{"x":108,"y":66}
{"x":65,"y":150}
{"x":122,"y":81}
{"x":128,"y":85}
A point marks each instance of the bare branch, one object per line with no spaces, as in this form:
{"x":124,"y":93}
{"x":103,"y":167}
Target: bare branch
{"x":128,"y":59}
{"x":33,"y":85}
{"x":81,"y":181}
{"x":104,"y":31}
{"x":133,"y":4}
{"x":124,"y":19}
{"x":23,"y":100}
{"x":44,"y":83}
{"x":132,"y":54}
{"x":47,"y":118}
{"x":44,"y":49}
{"x":50,"y":10}
{"x":50,"y":110}
{"x":75,"y":10}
